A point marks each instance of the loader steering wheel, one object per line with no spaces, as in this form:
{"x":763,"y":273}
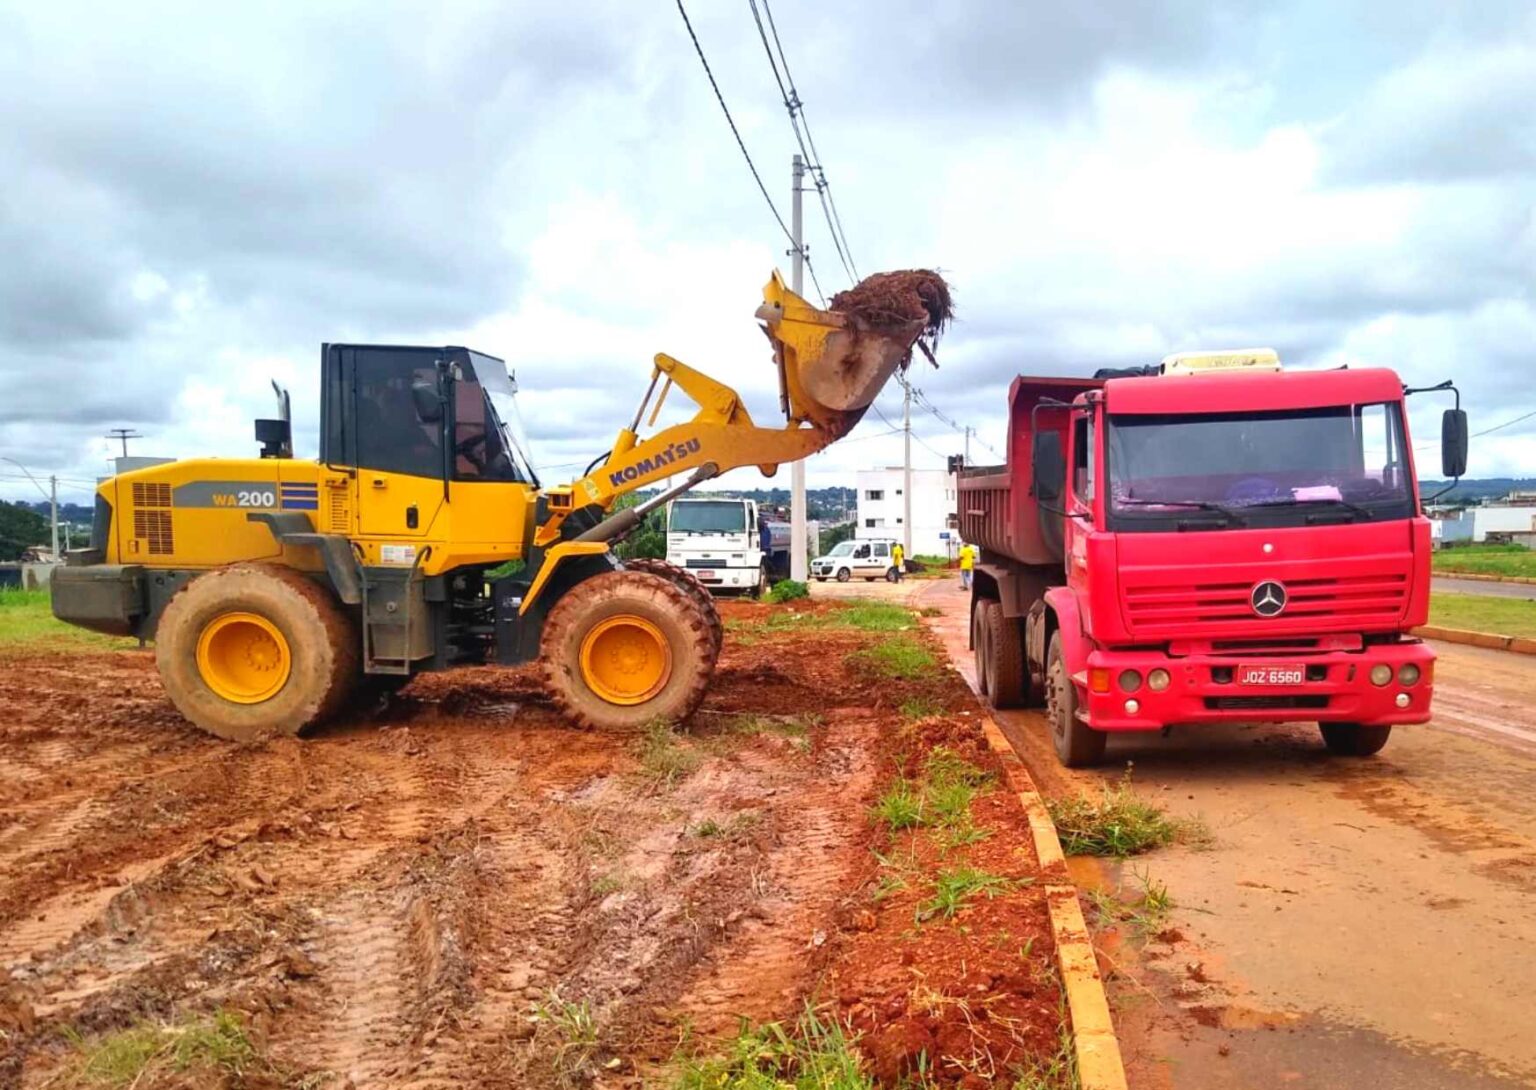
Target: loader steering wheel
{"x":465,"y":448}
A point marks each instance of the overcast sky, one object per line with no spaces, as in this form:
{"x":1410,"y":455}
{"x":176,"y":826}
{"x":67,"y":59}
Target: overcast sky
{"x":194,"y":196}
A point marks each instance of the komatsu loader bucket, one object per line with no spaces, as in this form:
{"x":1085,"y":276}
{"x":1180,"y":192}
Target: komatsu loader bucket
{"x":831,"y":366}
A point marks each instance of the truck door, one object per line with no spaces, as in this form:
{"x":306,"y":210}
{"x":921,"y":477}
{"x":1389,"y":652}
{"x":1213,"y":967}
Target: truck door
{"x":1081,"y":491}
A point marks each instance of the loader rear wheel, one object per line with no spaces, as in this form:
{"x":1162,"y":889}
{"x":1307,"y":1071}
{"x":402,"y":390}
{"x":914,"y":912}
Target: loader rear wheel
{"x":255,"y":650}
{"x":625,"y":648}
{"x":689,"y":584}
{"x":1007,"y":674}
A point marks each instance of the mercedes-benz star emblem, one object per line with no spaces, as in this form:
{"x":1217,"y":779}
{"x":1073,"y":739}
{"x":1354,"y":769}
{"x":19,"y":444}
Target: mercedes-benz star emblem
{"x":1267,"y":598}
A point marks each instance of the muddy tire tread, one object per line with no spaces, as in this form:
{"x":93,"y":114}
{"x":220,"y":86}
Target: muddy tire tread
{"x":689,"y":583}
{"x":1007,"y":672}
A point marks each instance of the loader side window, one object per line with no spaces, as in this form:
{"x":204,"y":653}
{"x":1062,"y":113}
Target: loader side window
{"x":478,"y":450}
{"x":390,"y":435}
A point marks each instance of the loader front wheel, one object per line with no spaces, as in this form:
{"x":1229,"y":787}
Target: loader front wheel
{"x":253,"y":650}
{"x":625,"y":648}
{"x":689,"y":584}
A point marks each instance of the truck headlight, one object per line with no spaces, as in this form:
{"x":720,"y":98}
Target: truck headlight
{"x":1408,"y":674}
{"x":1130,"y":680}
{"x":1381,"y":674}
{"x":1158,"y":680}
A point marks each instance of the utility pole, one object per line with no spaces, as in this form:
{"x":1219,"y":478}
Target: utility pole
{"x":799,"y":566}
{"x":906,"y":490}
{"x":53,"y":511}
{"x":124,"y":434}
{"x":968,"y":430}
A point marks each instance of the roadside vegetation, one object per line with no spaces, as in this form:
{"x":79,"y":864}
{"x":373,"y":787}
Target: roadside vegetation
{"x":1143,"y":909}
{"x":1484,"y":613}
{"x":1119,"y":823}
{"x":816,"y":1053}
{"x":1507,"y":560}
{"x":26,"y":619}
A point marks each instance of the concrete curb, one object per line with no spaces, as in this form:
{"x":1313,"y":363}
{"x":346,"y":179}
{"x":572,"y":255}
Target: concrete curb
{"x":1520,"y":645}
{"x":1099,"y":1066}
{"x":1484,"y":577}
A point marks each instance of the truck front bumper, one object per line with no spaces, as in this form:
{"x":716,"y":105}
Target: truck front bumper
{"x":741,"y":579}
{"x":1205,"y":688}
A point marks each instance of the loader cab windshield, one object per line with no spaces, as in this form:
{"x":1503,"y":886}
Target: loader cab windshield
{"x":485,"y":446}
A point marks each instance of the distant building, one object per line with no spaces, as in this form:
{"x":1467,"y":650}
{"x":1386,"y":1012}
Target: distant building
{"x":882,"y":508}
{"x":1474,"y":524}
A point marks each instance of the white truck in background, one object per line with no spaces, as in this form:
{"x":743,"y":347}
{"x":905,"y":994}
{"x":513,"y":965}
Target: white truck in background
{"x":727,"y":543}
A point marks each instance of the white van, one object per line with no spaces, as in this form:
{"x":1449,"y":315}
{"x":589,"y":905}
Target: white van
{"x":866,"y":558}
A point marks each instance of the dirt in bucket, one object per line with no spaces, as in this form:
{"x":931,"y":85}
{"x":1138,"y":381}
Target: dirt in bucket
{"x":890,"y":302}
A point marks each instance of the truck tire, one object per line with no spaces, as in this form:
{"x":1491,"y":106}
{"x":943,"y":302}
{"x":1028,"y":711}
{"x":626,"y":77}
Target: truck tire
{"x":760,"y":588}
{"x":1077,"y":744}
{"x":1354,"y":739}
{"x":843,"y":575}
{"x":627,"y":648}
{"x":981,"y":633}
{"x":252,"y":651}
{"x":1007,"y":672}
{"x":689,"y":584}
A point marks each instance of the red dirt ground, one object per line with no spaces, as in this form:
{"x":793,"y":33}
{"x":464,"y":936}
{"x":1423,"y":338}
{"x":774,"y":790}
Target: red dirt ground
{"x":390,"y":899}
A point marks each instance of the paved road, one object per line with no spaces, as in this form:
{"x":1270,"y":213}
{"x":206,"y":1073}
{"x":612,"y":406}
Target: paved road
{"x":1357,"y":923}
{"x":1484,"y":586}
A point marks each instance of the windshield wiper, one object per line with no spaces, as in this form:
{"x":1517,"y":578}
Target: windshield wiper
{"x":1202,"y":505}
{"x":1352,"y":508}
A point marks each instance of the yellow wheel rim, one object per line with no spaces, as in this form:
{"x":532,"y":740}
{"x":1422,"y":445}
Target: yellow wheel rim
{"x":625,"y":659}
{"x":243,"y":657}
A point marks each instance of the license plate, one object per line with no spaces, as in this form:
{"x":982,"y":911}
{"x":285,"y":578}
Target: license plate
{"x":1277,"y":674}
{"x":707,"y":575}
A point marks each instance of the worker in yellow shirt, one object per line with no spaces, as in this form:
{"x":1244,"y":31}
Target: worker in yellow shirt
{"x":967,"y":564}
{"x":898,"y":560}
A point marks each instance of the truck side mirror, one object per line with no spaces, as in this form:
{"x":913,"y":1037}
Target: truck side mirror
{"x":1453,"y":443}
{"x":428,"y":400}
{"x":1048,"y":467}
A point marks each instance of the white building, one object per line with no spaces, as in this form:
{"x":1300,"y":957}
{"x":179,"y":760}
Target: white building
{"x":882,"y":508}
{"x":1473,"y":523}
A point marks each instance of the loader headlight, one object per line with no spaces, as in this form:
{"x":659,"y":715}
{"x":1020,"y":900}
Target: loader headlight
{"x":1408,"y":674}
{"x":1381,"y":674}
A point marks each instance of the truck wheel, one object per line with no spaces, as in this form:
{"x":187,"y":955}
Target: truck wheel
{"x":760,"y":589}
{"x":256,"y":650}
{"x":1077,"y":744}
{"x":626,"y":648}
{"x":1006,"y":669}
{"x":1354,"y":739}
{"x":689,"y":584}
{"x":980,"y":637}
{"x":843,"y":575}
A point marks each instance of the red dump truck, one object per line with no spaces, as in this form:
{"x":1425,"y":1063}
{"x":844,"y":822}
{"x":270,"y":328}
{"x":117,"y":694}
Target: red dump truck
{"x":1208,"y":541}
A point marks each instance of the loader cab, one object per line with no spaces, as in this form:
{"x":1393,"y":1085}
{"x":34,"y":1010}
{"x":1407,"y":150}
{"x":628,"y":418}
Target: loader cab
{"x":434,"y":413}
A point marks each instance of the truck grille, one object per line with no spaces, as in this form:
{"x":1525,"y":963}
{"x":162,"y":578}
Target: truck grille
{"x":704,"y":563}
{"x":1217,"y":608}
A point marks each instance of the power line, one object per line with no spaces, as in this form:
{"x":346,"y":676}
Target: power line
{"x":792,"y":103}
{"x":740,"y":143}
{"x":1486,"y":431}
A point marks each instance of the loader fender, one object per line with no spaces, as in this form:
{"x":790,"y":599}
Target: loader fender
{"x":1075,"y":645}
{"x":553,"y":557}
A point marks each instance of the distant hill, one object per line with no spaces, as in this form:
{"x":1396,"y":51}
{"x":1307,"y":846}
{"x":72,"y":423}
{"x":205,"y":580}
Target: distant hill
{"x":1483,"y":488}
{"x":68,"y":512}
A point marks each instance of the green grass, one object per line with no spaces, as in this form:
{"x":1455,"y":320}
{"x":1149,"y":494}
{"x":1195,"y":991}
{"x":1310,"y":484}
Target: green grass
{"x":863,"y":616}
{"x":26,"y":618}
{"x":953,"y":888}
{"x":575,"y":1038}
{"x":940,"y":798}
{"x":816,"y":1054}
{"x":212,"y":1051}
{"x":1119,"y":823}
{"x":664,"y":757}
{"x":735,"y":827}
{"x":1057,"y":1071}
{"x":1144,"y":913}
{"x":920,"y":707}
{"x":898,"y":657}
{"x":1514,"y":560}
{"x":1484,"y":613}
{"x":787,"y":590}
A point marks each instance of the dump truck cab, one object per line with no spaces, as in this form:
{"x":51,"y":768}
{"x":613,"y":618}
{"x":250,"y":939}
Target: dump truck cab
{"x":1216,"y":541}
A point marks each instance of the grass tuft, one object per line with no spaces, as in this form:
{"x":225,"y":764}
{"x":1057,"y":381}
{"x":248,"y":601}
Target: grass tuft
{"x":213,"y":1051}
{"x":665,"y":758}
{"x":817,"y":1054}
{"x":953,"y":888}
{"x":899,"y":657}
{"x":574,"y":1028}
{"x":1119,"y":823}
{"x":920,"y":707}
{"x":787,"y":590}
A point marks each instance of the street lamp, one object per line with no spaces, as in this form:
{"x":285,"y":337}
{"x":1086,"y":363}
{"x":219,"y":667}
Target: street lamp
{"x":51,"y":494}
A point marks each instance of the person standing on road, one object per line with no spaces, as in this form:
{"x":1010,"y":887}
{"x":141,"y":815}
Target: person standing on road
{"x":898,"y":560}
{"x":967,"y":564}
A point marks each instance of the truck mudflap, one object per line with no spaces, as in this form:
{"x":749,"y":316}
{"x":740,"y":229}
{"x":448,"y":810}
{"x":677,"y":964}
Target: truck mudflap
{"x":1380,"y":685}
{"x":108,"y":598}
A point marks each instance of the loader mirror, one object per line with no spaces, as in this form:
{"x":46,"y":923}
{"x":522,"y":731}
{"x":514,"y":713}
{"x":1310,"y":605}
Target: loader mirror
{"x":1453,"y":443}
{"x":428,"y":400}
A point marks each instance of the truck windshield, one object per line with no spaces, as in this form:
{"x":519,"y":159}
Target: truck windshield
{"x":708,"y":517}
{"x":1260,"y":468}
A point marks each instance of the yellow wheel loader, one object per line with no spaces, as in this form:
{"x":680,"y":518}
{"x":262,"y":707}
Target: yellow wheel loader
{"x":274,"y":588}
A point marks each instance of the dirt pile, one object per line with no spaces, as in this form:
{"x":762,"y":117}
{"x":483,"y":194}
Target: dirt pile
{"x":890,"y":302}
